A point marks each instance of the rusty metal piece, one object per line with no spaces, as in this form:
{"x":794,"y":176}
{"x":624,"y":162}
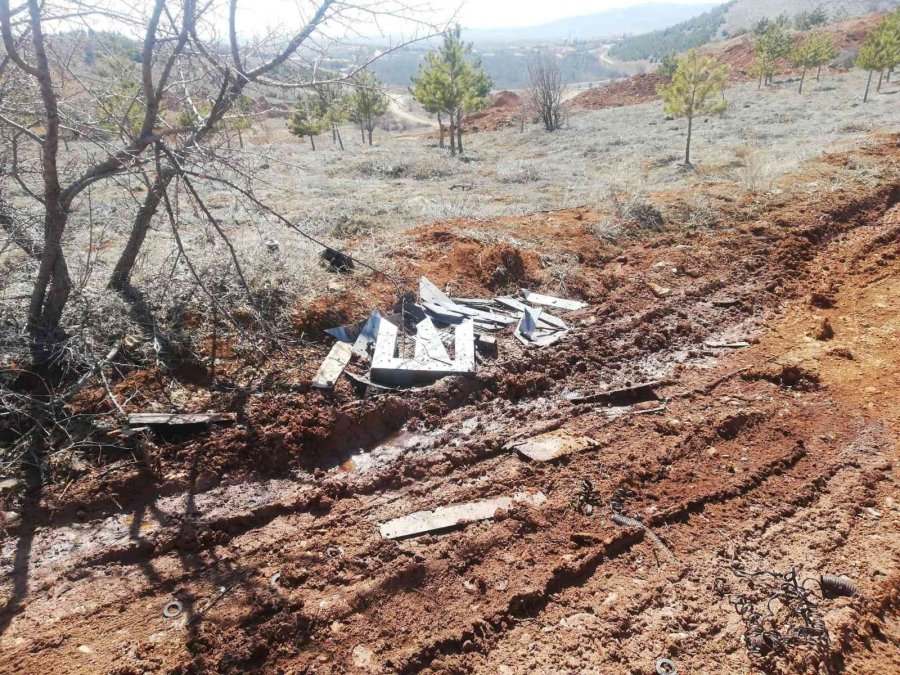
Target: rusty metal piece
{"x":833,"y":586}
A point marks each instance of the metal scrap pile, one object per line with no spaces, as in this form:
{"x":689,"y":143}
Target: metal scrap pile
{"x":435,"y":319}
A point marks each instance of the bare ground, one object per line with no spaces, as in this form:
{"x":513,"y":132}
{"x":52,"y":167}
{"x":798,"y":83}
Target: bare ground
{"x":779,"y":455}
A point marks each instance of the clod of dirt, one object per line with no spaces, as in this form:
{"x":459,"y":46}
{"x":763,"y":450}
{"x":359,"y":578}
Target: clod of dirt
{"x":787,"y":375}
{"x":841,"y":353}
{"x":821,"y":300}
{"x":825,"y":332}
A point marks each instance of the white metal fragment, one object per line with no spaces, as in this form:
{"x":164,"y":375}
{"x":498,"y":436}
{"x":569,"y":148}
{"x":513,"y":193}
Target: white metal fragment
{"x":551,"y":301}
{"x":333,"y":366}
{"x":444,"y":517}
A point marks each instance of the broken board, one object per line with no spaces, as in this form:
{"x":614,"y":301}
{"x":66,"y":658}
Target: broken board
{"x":445,"y":517}
{"x":333,"y":366}
{"x":552,"y":445}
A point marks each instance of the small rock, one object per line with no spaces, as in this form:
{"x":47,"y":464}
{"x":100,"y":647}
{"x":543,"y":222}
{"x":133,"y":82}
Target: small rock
{"x":825,"y":332}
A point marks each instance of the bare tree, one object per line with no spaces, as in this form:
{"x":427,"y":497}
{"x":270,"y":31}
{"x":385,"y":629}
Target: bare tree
{"x":163,"y":123}
{"x":545,"y":90}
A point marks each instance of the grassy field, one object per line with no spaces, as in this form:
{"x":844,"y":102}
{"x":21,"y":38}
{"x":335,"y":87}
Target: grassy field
{"x":364,"y":198}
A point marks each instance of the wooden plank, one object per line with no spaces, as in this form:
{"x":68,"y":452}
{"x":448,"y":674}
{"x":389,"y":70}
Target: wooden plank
{"x":552,"y":445}
{"x":551,"y":301}
{"x":177,"y":419}
{"x":333,"y":366}
{"x":445,"y":517}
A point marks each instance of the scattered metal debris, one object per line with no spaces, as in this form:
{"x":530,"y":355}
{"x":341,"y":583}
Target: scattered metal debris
{"x":333,"y":366}
{"x":666,"y":667}
{"x":426,"y":321}
{"x":178,"y":419}
{"x":726,"y":345}
{"x":424,"y":367}
{"x":334,"y":552}
{"x":445,"y":517}
{"x":173,"y":609}
{"x":635,"y":393}
{"x":552,"y":445}
{"x":549,"y":300}
{"x":585,"y":499}
{"x":616,"y":504}
{"x":788,"y":617}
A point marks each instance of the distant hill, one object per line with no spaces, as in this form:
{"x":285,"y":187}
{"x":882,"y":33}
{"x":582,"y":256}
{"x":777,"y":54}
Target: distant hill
{"x":733,"y":18}
{"x":686,"y":35}
{"x":742,"y":15}
{"x":609,"y":23}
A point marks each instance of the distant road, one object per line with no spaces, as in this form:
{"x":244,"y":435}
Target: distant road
{"x":414,"y":118}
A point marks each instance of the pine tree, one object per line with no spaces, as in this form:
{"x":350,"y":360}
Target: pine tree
{"x":333,"y":109}
{"x":812,"y":52}
{"x":881,"y":50}
{"x":306,"y":120}
{"x":772,"y":45}
{"x":696,"y":89}
{"x":451,"y":83}
{"x":367,"y":103}
{"x":825,"y":50}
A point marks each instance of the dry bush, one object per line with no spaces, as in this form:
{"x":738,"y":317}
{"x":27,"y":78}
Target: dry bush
{"x":517,"y":171}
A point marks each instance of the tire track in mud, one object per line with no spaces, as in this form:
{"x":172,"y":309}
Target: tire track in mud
{"x":576,"y":573}
{"x":419,"y":569}
{"x":791,"y":510}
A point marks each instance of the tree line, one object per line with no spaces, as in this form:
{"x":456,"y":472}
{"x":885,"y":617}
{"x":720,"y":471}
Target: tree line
{"x":362,"y":100}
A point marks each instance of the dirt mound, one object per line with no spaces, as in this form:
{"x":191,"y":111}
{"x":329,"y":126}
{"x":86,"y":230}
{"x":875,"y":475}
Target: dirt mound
{"x":630,"y":91}
{"x":501,"y":114}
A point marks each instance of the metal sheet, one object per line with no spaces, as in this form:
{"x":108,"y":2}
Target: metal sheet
{"x":367,"y":334}
{"x":445,"y":517}
{"x":551,"y":301}
{"x":428,"y":343}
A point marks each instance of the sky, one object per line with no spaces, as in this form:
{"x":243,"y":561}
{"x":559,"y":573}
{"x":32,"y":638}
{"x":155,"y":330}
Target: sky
{"x":519,"y":13}
{"x":256,"y":16}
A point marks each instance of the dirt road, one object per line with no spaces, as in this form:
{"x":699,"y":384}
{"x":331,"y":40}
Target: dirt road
{"x":774,"y":456}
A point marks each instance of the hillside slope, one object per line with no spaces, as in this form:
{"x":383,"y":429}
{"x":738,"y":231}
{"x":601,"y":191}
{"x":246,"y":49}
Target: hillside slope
{"x":743,"y":14}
